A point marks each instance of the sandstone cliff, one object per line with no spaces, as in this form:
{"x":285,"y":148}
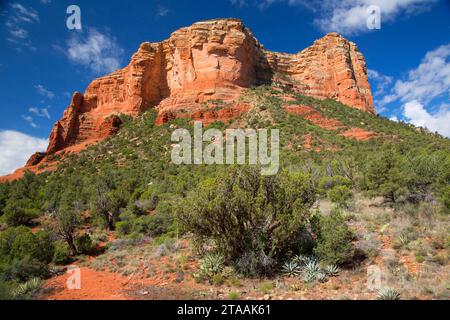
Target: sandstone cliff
{"x":211,"y":60}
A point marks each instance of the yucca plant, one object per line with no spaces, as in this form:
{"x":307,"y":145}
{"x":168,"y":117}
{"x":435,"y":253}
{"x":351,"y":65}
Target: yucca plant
{"x":291,"y":269}
{"x":321,"y":277}
{"x":212,"y":264}
{"x":332,"y":270}
{"x":27,"y":289}
{"x":388,"y":294}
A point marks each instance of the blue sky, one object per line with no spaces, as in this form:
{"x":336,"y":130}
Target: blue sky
{"x":42,"y":62}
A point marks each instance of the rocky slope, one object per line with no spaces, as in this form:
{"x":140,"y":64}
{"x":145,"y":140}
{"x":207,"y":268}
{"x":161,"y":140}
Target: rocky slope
{"x":208,"y":61}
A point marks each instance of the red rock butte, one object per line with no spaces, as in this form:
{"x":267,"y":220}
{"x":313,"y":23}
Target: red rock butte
{"x":210,"y":60}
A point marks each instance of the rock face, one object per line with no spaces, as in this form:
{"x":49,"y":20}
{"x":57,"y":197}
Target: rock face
{"x":211,"y":60}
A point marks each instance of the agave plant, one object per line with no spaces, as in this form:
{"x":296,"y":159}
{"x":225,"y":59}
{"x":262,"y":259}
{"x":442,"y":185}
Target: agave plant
{"x":332,"y":270}
{"x":311,"y":271}
{"x":388,"y":294}
{"x":212,"y":264}
{"x":321,"y":277}
{"x":312,"y":266}
{"x":309,"y":277}
{"x":291,"y":269}
{"x":27,"y":288}
{"x":300,"y":259}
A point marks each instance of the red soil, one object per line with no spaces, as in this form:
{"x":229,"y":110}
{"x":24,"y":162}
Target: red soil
{"x":94,"y":286}
{"x":314,"y":117}
{"x":359,"y":134}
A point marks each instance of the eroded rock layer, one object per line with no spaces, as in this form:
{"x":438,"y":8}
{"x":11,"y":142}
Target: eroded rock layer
{"x":211,"y":60}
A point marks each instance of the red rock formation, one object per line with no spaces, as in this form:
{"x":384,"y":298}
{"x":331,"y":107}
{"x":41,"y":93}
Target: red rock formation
{"x":211,"y":60}
{"x":331,"y":68}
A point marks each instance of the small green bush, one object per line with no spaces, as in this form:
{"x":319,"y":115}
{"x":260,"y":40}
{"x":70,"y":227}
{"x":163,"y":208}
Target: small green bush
{"x":62,"y":254}
{"x":334,"y":239}
{"x":19,"y":243}
{"x":16,"y":215}
{"x":340,"y":195}
{"x":24,"y":269}
{"x":84,"y":244}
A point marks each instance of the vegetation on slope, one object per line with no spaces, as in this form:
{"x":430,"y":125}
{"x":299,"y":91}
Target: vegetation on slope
{"x":128,"y":184}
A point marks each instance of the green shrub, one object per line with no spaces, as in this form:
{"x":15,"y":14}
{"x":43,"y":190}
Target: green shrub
{"x":153,"y":226}
{"x":24,"y":269}
{"x":340,"y":195}
{"x":124,"y":227}
{"x":327,"y":183}
{"x":84,"y":244}
{"x":62,"y":254}
{"x":17,"y":215}
{"x":334,"y":239}
{"x":6,"y":290}
{"x":19,"y":243}
{"x":253,"y":220}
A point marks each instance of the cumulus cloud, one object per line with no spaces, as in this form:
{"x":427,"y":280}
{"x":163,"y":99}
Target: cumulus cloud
{"x":98,"y":51}
{"x":16,"y":148}
{"x":422,"y":89}
{"x":416,"y":114}
{"x":349,"y":16}
{"x":429,"y":80}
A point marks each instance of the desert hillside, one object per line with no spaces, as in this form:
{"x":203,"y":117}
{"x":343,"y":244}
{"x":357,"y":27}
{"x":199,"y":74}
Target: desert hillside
{"x":357,"y":196}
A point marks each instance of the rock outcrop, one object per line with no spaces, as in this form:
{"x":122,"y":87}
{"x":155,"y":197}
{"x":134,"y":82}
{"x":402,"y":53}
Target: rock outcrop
{"x":211,"y":60}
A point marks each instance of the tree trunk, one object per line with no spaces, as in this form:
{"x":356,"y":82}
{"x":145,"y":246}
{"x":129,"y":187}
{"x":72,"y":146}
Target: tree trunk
{"x":110,"y":221}
{"x":72,"y":247}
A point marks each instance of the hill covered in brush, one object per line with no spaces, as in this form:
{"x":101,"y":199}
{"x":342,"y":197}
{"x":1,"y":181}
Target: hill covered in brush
{"x":127,"y":186}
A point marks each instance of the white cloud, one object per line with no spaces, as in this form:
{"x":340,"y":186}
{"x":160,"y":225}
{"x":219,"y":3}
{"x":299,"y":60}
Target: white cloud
{"x":349,"y":16}
{"x":43,"y":112}
{"x":416,"y":114}
{"x":394,"y":118}
{"x":382,"y":81}
{"x":30,"y":121}
{"x":429,"y":80}
{"x":100,"y":52}
{"x":17,"y":148}
{"x":25,"y":14}
{"x":19,"y":19}
{"x":44,"y":92}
